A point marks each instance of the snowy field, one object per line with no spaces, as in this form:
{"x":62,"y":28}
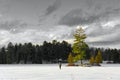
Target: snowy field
{"x":52,"y":72}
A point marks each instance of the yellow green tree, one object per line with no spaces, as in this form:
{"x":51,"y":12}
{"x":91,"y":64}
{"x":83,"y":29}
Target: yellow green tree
{"x":92,"y":60}
{"x":79,"y":45}
{"x":70,"y":60}
{"x":98,"y":58}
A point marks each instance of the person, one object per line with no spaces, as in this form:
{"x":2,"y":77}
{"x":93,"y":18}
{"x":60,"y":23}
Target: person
{"x":60,"y":63}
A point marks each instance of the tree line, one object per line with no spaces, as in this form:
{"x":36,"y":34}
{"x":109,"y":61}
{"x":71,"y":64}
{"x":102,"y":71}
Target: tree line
{"x":50,"y":52}
{"x":107,"y":54}
{"x":34,"y":54}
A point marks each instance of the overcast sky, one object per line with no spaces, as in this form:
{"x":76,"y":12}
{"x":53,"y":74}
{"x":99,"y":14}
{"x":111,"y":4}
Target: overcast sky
{"x":39,"y":20}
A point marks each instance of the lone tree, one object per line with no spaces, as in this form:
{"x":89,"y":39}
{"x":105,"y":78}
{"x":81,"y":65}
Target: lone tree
{"x":98,"y":58}
{"x":92,"y":60}
{"x":79,"y":46}
{"x":70,"y":60}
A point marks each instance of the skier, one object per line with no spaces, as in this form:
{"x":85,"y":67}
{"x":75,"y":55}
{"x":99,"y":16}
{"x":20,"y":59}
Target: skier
{"x":60,"y":63}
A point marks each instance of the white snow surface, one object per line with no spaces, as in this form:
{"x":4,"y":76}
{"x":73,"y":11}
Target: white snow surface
{"x":52,"y":72}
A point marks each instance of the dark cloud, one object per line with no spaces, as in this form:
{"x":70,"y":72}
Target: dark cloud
{"x":89,"y":3}
{"x":108,"y":14}
{"x":4,"y":6}
{"x":50,"y":9}
{"x":106,"y":18}
{"x":76,"y":17}
{"x":53,"y":7}
{"x":102,"y":43}
{"x":108,"y":36}
{"x":107,"y":42}
{"x":92,"y":14}
{"x":81,"y":17}
{"x":99,"y":30}
{"x":13,"y":26}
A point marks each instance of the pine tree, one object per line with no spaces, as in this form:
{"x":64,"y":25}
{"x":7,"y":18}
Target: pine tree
{"x":10,"y":54}
{"x":2,"y":56}
{"x":79,"y":45}
{"x":70,"y":60}
{"x":98,"y":58}
{"x":92,"y":60}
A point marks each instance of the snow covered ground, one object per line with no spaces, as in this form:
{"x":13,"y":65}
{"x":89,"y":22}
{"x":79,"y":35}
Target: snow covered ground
{"x":52,"y":72}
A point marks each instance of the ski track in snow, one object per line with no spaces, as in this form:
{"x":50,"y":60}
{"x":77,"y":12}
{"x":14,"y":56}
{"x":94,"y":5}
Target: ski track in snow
{"x":52,"y":72}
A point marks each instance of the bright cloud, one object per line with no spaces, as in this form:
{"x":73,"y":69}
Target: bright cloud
{"x":110,"y":24}
{"x":35,"y":35}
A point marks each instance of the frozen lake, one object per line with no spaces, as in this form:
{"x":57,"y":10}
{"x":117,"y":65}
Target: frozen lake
{"x":52,"y":72}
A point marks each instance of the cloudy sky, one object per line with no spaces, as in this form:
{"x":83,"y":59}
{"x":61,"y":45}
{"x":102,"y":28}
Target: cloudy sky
{"x":39,"y":20}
